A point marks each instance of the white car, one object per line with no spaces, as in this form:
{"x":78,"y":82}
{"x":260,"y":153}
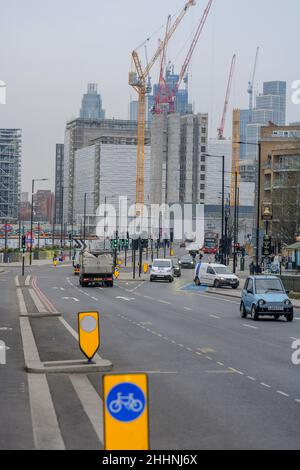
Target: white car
{"x":162,"y":270}
{"x":215,"y":275}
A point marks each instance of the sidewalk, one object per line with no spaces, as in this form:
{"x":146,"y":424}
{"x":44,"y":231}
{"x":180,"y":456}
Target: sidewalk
{"x":43,"y":262}
{"x":236,"y":294}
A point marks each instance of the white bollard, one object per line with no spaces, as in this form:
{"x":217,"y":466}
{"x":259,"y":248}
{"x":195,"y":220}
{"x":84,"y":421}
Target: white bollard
{"x":2,"y":353}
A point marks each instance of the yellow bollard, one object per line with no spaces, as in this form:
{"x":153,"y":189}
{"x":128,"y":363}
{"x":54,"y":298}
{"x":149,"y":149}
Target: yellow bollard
{"x":55,"y":263}
{"x":145,"y":268}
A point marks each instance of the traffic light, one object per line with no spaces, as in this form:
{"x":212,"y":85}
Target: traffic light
{"x":144,"y":243}
{"x":135,"y":244}
{"x":114,"y":244}
{"x":23,"y":243}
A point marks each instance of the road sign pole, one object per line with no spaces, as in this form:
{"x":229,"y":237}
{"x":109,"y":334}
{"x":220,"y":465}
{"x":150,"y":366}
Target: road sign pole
{"x":134,"y":261}
{"x":23,"y":264}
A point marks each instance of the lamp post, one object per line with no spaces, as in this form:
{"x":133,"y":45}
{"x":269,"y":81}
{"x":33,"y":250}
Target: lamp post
{"x":257,"y":144}
{"x":31,"y":217}
{"x":223,"y":200}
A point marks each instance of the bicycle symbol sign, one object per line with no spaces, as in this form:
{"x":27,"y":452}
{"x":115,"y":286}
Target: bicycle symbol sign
{"x":126,"y":402}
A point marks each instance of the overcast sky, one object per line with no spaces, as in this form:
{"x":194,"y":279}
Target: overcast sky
{"x":51,"y":49}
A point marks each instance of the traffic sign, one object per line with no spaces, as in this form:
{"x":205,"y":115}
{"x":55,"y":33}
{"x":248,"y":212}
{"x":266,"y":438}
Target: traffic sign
{"x":89,"y":333}
{"x":125,"y":410}
{"x":267,"y":246}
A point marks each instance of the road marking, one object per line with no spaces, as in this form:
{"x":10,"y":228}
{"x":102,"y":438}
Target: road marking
{"x":126,"y":299}
{"x":236,"y":371}
{"x":70,"y":298}
{"x":39,"y":305}
{"x":265,"y":385}
{"x":94,"y":298}
{"x":147,"y":297}
{"x":17,"y":281}
{"x":282,"y":393}
{"x":46,"y":432}
{"x":199,"y":353}
{"x":209,"y":358}
{"x":5,"y":328}
{"x":188,"y":309}
{"x":250,"y":326}
{"x":164,"y":302}
{"x":251,"y":378}
{"x":220,"y":364}
{"x":215,"y":316}
{"x":298,"y":401}
{"x":91,"y":402}
{"x":27,"y":281}
{"x":296,"y":339}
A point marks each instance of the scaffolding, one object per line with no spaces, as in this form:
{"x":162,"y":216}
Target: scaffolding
{"x":10,"y":173}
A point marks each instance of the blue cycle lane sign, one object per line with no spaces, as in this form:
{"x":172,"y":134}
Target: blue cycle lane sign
{"x":126,"y":412}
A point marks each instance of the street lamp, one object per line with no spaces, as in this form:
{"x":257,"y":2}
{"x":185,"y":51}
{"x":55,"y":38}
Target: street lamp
{"x":223,"y":198}
{"x":257,"y":144}
{"x":31,"y":217}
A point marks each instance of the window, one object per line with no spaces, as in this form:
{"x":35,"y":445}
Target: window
{"x":210,"y":270}
{"x":202,"y":196}
{"x":202,"y":177}
{"x":250,"y":285}
{"x":202,"y":167}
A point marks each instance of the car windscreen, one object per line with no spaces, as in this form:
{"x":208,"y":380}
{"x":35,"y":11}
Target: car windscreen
{"x":266,"y":286}
{"x":222,"y":270}
{"x":187,"y":259}
{"x":161,"y":264}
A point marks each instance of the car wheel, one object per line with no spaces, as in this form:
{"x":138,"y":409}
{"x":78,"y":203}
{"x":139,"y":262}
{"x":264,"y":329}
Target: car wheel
{"x":217,"y":284}
{"x":277,"y":317}
{"x":197,"y":282}
{"x":171,"y":279}
{"x":290,"y":317}
{"x":235,"y":287}
{"x":243,"y":310}
{"x":254,"y":313}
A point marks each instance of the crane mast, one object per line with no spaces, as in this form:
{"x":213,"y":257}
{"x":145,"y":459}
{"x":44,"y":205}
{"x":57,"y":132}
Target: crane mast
{"x":223,"y":120}
{"x":251,"y":86}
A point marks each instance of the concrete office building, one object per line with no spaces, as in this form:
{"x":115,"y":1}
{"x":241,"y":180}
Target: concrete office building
{"x":79,"y":133}
{"x":178,"y":161}
{"x":59,"y":182}
{"x":10,"y":173}
{"x":91,"y":106}
{"x":214,"y":171}
{"x":106,"y":170}
{"x":43,"y":206}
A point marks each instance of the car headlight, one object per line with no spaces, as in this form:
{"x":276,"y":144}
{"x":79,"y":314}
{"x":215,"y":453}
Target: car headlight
{"x":261,"y":303}
{"x":287,"y":302}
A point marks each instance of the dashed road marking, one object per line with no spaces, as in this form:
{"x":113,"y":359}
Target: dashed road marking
{"x":251,"y":378}
{"x":250,"y":326}
{"x":282,"y":393}
{"x":265,"y":385}
{"x":215,"y":316}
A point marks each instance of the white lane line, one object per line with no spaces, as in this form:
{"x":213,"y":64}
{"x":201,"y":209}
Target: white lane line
{"x":147,"y":297}
{"x":17,"y":281}
{"x":250,"y":326}
{"x":126,"y":299}
{"x":199,"y":353}
{"x":282,"y":393}
{"x":46,"y":432}
{"x":251,"y":378}
{"x":215,"y":316}
{"x":297,"y":400}
{"x":39,"y":305}
{"x":209,"y":358}
{"x":164,"y":302}
{"x":265,"y":385}
{"x":27,"y":281}
{"x":94,"y":298}
{"x":236,"y":371}
{"x":188,"y":309}
{"x":91,"y":402}
{"x":70,"y":298}
{"x":220,"y":364}
{"x":189,"y":349}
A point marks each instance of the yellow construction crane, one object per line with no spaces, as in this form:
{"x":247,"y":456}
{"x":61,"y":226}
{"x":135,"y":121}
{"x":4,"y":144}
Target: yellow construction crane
{"x":138,"y":80}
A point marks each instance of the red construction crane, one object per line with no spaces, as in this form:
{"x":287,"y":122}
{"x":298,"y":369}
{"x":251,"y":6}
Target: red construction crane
{"x":223,"y":120}
{"x":163,"y":91}
{"x":187,"y":61}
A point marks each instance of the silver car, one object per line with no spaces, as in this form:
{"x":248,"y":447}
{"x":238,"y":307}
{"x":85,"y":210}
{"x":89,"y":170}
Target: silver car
{"x":162,"y":270}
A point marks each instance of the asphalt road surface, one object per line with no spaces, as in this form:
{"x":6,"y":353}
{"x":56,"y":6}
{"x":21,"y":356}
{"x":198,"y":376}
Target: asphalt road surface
{"x":216,"y":381}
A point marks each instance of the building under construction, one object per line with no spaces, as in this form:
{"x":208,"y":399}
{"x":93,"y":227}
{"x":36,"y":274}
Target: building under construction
{"x":178,"y":159}
{"x":10,"y":173}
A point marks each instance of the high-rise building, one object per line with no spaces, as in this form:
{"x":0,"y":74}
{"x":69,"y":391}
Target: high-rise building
{"x":91,"y":107}
{"x":43,"y":206}
{"x":277,"y":88}
{"x":10,"y":173}
{"x":59,"y":182}
{"x":106,"y":170}
{"x":80,"y":133}
{"x":133,"y":110}
{"x":178,"y":159}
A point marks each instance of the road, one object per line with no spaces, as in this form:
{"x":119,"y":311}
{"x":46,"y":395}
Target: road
{"x":216,"y":381}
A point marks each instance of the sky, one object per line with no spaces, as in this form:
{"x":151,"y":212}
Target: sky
{"x":51,"y":49}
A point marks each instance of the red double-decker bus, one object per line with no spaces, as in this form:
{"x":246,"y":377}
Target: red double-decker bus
{"x":211,"y":243}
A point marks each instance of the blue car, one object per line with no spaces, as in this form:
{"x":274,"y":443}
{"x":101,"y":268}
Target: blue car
{"x":266,"y":296}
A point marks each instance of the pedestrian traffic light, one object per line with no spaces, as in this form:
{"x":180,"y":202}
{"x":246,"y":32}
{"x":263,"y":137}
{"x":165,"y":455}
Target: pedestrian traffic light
{"x":23,"y":242}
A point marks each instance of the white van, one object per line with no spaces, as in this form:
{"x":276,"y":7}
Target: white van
{"x":162,"y":270}
{"x":215,"y":275}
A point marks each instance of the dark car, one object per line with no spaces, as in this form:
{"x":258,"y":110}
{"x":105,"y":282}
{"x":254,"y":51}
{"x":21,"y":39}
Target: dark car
{"x":187,"y":262}
{"x":176,"y":268}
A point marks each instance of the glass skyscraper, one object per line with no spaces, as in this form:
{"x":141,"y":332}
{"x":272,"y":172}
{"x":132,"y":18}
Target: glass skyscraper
{"x":278,"y":88}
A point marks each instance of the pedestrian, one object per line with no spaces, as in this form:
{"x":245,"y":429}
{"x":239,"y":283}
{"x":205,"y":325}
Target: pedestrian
{"x":252,"y":268}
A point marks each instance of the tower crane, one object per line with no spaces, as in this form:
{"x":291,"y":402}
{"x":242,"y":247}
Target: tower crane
{"x":138,"y":80}
{"x":163,"y":90}
{"x":187,"y":61}
{"x":223,"y":120}
{"x":251,"y":86}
